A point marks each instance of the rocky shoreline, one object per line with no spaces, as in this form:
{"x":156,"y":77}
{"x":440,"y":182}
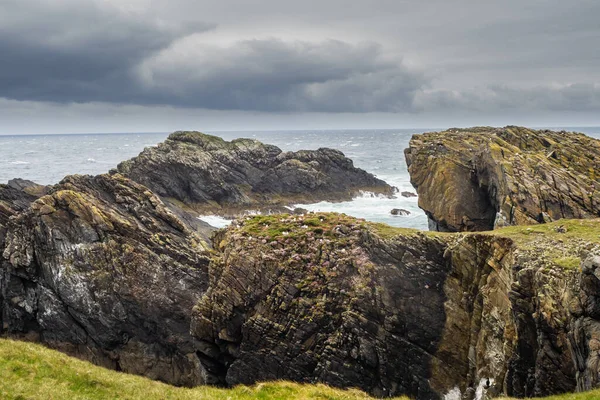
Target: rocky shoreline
{"x":207,"y":174}
{"x":116,"y":269}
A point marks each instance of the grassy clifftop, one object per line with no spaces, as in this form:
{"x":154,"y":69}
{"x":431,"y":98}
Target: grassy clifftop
{"x":31,"y":371}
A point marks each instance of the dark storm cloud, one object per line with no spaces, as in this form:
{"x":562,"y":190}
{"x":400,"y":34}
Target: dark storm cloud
{"x":350,"y":56}
{"x":79,"y":51}
{"x":273,"y":75}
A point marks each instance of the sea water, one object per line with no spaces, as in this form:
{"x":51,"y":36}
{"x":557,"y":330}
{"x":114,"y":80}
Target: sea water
{"x":46,"y":159}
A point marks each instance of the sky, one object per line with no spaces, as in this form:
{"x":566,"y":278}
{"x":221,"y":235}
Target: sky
{"x":78,"y":66}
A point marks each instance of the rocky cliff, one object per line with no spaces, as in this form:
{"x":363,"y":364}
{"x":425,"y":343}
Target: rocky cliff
{"x":332,"y":299}
{"x":480,"y":178}
{"x":15,"y":197}
{"x":100,"y":268}
{"x":210,"y":174}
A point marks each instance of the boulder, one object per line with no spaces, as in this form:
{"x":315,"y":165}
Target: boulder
{"x":399,"y":211}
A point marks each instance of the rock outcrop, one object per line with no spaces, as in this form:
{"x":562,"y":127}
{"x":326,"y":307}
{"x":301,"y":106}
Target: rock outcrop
{"x":15,"y":197}
{"x":481,"y":178}
{"x":331,"y":299}
{"x":209,"y":174}
{"x":321,"y":299}
{"x":101,"y":269}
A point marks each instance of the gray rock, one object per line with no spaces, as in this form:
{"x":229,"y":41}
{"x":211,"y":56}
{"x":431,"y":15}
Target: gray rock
{"x":101,"y":269}
{"x":400,"y":211}
{"x":207,"y":173}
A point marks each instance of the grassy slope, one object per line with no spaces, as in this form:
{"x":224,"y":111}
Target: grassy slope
{"x":31,"y":371}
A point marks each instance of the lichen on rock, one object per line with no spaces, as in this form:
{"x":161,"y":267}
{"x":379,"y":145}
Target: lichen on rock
{"x":100,"y":268}
{"x":481,"y":178}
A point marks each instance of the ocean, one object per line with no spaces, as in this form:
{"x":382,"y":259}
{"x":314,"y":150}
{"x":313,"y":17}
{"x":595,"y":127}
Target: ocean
{"x":46,"y":159}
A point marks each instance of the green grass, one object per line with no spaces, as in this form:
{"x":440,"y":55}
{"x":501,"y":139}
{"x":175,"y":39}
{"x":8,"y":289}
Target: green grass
{"x":592,"y":395}
{"x":31,"y":371}
{"x":576,"y":229}
{"x":280,"y":226}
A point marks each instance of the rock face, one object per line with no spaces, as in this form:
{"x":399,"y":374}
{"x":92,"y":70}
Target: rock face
{"x":481,"y":178}
{"x":331,"y":299}
{"x":323,"y":304}
{"x":15,"y":197}
{"x":207,"y":173}
{"x":100,"y":268}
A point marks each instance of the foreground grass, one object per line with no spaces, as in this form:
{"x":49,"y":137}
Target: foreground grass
{"x":593,"y":395}
{"x":31,"y":371}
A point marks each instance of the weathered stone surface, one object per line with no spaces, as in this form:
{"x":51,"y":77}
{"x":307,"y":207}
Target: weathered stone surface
{"x":15,"y":197}
{"x":332,"y":299}
{"x":207,"y":173}
{"x":100,"y":268}
{"x":481,"y":178}
{"x":399,"y":211}
{"x":324,"y":301}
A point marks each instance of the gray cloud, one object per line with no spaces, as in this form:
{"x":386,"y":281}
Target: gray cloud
{"x":582,"y":97}
{"x":273,"y":75}
{"x":70,"y":50}
{"x":333,"y":56}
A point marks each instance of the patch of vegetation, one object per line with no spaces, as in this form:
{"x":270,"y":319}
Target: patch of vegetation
{"x":294,"y":226}
{"x":565,"y":230}
{"x":568,"y":262}
{"x":592,"y":395}
{"x":31,"y":371}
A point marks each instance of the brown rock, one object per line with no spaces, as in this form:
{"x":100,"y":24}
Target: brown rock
{"x":481,"y":178}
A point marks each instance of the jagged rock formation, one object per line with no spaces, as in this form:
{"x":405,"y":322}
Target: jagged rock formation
{"x":100,"y":268}
{"x":323,"y":303}
{"x":480,"y":178}
{"x":209,"y":174}
{"x":15,"y":197}
{"x":332,"y":299}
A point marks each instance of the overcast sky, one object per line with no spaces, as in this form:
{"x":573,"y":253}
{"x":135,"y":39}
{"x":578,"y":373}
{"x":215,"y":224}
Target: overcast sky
{"x":146,"y":65}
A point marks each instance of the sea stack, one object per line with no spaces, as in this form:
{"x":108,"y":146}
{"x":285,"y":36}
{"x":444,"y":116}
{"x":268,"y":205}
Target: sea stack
{"x":482,"y":178}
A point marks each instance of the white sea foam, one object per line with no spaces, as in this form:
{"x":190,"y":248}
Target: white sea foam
{"x":453,"y":394}
{"x":215,"y":221}
{"x":375,"y":207}
{"x":19,"y":162}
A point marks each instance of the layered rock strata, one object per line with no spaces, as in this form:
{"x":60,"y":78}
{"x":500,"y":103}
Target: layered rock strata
{"x":331,"y":299}
{"x":481,"y":178}
{"x":209,"y":174}
{"x":100,"y":268}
